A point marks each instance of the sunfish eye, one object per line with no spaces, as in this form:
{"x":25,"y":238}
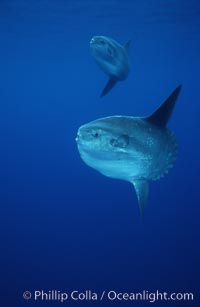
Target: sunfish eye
{"x":122,"y":141}
{"x":102,"y":42}
{"x":95,"y":134}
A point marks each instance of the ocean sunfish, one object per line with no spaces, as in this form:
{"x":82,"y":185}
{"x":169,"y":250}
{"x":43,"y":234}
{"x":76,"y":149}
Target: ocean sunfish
{"x":112,"y":58}
{"x":135,"y":149}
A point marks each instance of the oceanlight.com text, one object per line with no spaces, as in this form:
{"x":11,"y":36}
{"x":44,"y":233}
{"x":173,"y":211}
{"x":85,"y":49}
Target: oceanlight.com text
{"x":111,"y":295}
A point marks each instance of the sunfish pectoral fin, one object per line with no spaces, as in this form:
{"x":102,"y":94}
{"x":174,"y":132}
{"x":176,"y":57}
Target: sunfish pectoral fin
{"x":110,"y":84}
{"x":127,"y":45}
{"x":142,"y":190}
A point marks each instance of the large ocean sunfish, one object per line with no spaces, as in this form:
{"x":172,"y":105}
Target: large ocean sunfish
{"x":135,"y":149}
{"x":112,"y":58}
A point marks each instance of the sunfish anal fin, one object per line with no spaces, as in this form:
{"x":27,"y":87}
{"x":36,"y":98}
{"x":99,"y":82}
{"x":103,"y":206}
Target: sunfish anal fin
{"x":110,"y":84}
{"x":142,"y":190}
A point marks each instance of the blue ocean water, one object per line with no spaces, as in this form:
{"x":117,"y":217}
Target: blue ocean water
{"x":63,"y":225}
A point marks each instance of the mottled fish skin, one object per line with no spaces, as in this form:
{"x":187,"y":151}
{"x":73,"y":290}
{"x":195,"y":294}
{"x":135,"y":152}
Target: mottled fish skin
{"x":127,"y":148}
{"x":135,"y":149}
{"x":112,"y":59}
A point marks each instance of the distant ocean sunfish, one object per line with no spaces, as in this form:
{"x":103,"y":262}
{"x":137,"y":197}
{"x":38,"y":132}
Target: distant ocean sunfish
{"x":112,"y":58}
{"x":135,"y":149}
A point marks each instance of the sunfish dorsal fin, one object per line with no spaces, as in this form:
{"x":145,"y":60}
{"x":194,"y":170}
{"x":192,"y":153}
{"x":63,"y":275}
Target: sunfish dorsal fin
{"x":161,"y":116}
{"x":142,"y":191}
{"x":109,"y":85}
{"x":127,"y":45}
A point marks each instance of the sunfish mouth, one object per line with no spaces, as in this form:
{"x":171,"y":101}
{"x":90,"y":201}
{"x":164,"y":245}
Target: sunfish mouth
{"x":77,"y":139}
{"x":92,"y":41}
{"x":80,"y":137}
